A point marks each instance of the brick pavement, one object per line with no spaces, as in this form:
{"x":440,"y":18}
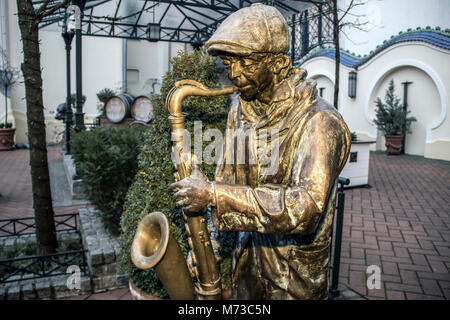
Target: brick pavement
{"x":16,"y":199}
{"x":402,"y":225}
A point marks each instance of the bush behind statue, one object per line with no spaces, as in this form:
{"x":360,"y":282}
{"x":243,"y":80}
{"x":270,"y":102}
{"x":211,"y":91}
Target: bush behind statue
{"x":149,"y":191}
{"x":106,"y":160}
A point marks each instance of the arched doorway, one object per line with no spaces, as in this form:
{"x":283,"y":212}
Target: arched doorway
{"x":424,"y":102}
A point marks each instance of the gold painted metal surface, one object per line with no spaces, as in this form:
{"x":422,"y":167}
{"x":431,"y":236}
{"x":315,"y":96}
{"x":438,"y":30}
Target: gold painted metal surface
{"x":283,"y":215}
{"x":154,"y":247}
{"x":208,"y":284}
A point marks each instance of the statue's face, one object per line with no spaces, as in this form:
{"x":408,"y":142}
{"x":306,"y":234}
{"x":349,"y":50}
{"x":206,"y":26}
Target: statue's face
{"x":251,"y":74}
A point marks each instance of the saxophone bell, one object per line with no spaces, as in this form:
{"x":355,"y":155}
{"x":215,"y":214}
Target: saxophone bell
{"x":154,"y":247}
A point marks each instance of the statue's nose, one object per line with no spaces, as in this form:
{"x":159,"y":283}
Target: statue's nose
{"x":235,"y":70}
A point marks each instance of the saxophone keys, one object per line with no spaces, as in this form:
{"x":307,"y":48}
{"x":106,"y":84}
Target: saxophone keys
{"x":196,"y":273}
{"x":194,"y":259}
{"x":191,"y":244}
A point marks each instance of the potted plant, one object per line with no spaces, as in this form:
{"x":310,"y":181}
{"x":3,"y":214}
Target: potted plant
{"x":393,"y":120}
{"x":8,"y":77}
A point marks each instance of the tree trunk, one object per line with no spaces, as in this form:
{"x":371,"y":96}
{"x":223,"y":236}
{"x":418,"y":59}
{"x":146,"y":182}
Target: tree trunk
{"x":40,"y":180}
{"x":337,"y":53}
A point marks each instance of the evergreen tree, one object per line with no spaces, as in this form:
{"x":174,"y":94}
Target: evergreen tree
{"x":390,"y":117}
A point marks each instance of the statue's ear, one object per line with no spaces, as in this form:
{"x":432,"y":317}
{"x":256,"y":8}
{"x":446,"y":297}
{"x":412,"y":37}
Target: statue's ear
{"x":279,"y":62}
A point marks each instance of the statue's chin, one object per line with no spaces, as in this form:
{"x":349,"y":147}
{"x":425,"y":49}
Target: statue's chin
{"x":247,"y":93}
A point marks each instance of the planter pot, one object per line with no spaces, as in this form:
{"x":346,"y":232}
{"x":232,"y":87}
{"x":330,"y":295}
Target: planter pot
{"x":357,"y":167}
{"x":7,"y":138}
{"x":138,"y":294}
{"x":394,"y":144}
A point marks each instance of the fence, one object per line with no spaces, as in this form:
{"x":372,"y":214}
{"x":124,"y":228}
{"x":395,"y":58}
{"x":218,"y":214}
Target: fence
{"x":40,"y":266}
{"x":24,"y":226}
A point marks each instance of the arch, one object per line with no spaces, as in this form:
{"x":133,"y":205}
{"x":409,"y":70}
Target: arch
{"x":321,"y":73}
{"x":421,"y":66}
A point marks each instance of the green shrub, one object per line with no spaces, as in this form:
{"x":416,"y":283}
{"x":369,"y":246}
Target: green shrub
{"x":390,"y":117}
{"x":103,"y":96}
{"x":149,"y":191}
{"x":6,"y":125}
{"x":106,"y":160}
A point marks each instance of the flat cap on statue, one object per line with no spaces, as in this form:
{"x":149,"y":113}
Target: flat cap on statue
{"x":258,"y":28}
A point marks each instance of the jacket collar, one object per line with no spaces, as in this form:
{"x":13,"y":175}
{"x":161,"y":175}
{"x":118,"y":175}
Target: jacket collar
{"x":291,"y":94}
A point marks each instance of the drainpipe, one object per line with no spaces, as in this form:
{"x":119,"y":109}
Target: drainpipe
{"x":4,"y":42}
{"x":169,"y":55}
{"x":4,"y":34}
{"x":124,"y":66}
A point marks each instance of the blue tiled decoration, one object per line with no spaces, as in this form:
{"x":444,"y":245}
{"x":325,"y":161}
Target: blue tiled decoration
{"x":434,"y":37}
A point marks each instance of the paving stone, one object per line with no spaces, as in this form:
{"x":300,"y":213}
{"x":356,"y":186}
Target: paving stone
{"x":13,"y":291}
{"x":2,"y":292}
{"x":109,"y":255}
{"x":28,"y":290}
{"x":43,"y":288}
{"x":409,"y":197}
{"x":96,"y":257}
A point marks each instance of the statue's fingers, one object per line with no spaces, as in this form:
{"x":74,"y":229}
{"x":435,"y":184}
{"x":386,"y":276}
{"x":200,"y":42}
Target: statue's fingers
{"x":175,"y":186}
{"x":179,"y":194}
{"x":183,"y":202}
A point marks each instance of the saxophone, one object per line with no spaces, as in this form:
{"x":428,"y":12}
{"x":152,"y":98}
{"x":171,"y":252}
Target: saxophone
{"x":154,"y":247}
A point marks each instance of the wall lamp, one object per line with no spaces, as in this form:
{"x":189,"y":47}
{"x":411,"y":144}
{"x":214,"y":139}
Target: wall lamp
{"x":154,"y":32}
{"x":352,"y":84}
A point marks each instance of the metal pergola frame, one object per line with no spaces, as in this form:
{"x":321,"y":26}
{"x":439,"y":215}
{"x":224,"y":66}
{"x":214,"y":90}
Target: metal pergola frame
{"x":198,"y":18}
{"x":185,"y":21}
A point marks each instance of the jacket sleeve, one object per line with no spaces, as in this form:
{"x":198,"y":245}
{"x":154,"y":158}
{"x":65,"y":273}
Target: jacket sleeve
{"x":296,"y":208}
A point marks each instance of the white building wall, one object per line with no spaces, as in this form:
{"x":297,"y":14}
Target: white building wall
{"x":388,"y":17}
{"x":102,"y":67}
{"x":426,"y":66}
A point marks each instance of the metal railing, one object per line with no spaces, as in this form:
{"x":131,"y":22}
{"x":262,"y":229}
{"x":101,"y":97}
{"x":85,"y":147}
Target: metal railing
{"x":24,"y":226}
{"x":334,"y":291}
{"x":41,"y":266}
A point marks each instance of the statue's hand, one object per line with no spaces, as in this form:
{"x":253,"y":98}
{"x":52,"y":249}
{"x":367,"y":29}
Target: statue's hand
{"x":194,"y":193}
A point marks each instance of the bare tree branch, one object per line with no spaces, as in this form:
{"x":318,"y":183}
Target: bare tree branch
{"x":52,"y":10}
{"x":350,"y":6}
{"x":43,"y":7}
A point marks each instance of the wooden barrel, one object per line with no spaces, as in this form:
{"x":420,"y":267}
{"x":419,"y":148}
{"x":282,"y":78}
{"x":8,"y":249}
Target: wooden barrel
{"x":142,"y":108}
{"x":117,"y":108}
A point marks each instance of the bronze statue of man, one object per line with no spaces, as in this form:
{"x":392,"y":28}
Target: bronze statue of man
{"x":284,"y":216}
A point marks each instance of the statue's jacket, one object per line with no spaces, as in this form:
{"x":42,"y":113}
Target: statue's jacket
{"x":282,"y":208}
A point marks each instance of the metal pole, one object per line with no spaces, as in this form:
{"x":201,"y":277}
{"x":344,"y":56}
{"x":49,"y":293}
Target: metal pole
{"x":319,"y":27}
{"x":293,"y":39}
{"x":68,"y":36}
{"x":405,"y":107}
{"x":79,"y":116}
{"x":334,"y":290}
{"x":305,"y":33}
{"x":6,"y":103}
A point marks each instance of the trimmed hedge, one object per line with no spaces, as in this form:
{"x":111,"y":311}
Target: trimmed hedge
{"x":149,"y":191}
{"x":106,"y":160}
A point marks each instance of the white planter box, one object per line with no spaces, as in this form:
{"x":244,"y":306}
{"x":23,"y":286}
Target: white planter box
{"x":357,"y":166}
